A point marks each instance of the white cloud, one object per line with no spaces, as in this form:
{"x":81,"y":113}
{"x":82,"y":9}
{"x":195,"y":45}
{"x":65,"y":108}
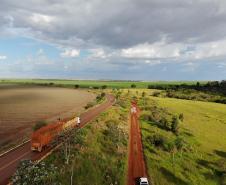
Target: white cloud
{"x":3,"y":57}
{"x":70,"y":53}
{"x":156,"y":50}
{"x":177,"y":51}
{"x":40,"y":18}
{"x":152,"y":62}
{"x":98,"y":53}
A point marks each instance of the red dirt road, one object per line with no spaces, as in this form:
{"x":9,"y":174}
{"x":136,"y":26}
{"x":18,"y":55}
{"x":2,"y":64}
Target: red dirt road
{"x":10,"y":161}
{"x":136,"y":164}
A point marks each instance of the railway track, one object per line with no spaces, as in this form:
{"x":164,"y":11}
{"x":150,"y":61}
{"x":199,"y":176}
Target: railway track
{"x":10,"y":160}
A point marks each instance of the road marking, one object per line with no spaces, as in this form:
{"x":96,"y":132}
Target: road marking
{"x":5,"y":166}
{"x":6,"y":152}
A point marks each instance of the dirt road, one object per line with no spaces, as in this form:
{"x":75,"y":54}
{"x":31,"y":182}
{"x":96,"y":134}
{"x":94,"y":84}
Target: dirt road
{"x":136,"y":164}
{"x":10,"y":161}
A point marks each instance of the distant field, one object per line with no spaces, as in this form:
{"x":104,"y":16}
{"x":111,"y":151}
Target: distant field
{"x":22,"y":107}
{"x":93,"y":83}
{"x":203,"y":129}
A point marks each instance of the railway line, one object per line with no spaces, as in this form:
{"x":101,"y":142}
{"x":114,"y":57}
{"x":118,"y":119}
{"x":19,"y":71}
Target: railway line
{"x":10,"y":160}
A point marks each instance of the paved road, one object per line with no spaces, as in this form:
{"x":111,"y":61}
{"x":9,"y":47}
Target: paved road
{"x":10,"y":161}
{"x":136,"y":163}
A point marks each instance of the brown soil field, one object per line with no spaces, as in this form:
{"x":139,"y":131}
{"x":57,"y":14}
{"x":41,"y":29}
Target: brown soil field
{"x":21,"y":107}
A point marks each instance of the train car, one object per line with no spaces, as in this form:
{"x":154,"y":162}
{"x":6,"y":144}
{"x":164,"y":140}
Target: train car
{"x":43,"y":136}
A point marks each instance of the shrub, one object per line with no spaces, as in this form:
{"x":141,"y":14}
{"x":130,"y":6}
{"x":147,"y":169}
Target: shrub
{"x":29,"y":173}
{"x":39,"y":125}
{"x":181,"y":117}
{"x":103,"y":86}
{"x":157,"y":140}
{"x":133,"y":86}
{"x":169,"y":146}
{"x":165,"y":124}
{"x":180,"y":143}
{"x":76,"y":86}
{"x":175,"y":124}
{"x":89,"y":105}
{"x":156,"y":93}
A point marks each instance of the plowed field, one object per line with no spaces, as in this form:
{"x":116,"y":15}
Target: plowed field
{"x":22,"y":107}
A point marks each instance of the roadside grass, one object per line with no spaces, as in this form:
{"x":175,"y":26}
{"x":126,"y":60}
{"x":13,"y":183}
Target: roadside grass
{"x":98,"y":152}
{"x":202,"y":160}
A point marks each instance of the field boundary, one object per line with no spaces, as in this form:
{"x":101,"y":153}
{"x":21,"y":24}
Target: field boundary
{"x":15,"y":147}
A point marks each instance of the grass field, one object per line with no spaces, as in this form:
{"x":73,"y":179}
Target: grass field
{"x":203,"y":159}
{"x":22,"y":107}
{"x":98,"y":152}
{"x":98,"y":83}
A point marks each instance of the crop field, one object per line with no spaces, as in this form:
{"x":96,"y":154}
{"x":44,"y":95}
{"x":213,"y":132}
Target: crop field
{"x":97,"y":83}
{"x":196,"y":154}
{"x":21,"y":107}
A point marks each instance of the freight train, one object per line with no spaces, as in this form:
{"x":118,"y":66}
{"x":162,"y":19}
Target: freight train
{"x":43,"y":137}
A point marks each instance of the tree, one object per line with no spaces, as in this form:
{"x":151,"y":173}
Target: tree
{"x":76,"y":86}
{"x":30,"y":173}
{"x":39,"y":125}
{"x":103,"y":86}
{"x":133,"y":86}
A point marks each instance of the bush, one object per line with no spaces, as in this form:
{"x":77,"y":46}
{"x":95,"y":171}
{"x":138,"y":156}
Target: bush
{"x":175,"y":124}
{"x":165,"y":124}
{"x":103,"y":86}
{"x":156,"y":93}
{"x":39,"y":125}
{"x":181,"y":117}
{"x":29,"y":173}
{"x":157,"y":140}
{"x":133,"y":86}
{"x":180,"y":143}
{"x":76,"y":86}
{"x":89,"y":105}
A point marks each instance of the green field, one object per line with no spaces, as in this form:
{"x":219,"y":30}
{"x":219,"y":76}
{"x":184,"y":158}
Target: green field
{"x":202,"y":161}
{"x":97,"y":83}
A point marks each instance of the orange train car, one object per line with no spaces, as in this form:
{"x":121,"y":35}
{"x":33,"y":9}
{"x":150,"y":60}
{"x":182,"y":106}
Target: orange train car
{"x":43,"y":136}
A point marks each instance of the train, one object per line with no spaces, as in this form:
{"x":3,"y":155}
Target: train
{"x":44,"y":136}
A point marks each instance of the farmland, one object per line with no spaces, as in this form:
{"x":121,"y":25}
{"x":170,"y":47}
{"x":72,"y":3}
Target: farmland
{"x":95,"y":83}
{"x":21,"y":107}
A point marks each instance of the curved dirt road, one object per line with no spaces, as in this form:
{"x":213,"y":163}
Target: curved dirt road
{"x":10,"y":161}
{"x":136,"y":163}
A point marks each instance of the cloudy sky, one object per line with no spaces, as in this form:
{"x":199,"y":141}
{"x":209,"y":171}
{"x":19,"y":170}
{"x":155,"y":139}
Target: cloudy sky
{"x":113,"y":39}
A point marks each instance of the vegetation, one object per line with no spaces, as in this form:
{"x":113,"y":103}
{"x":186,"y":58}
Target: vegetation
{"x":191,"y":94}
{"x":98,"y":84}
{"x":95,"y":154}
{"x":39,"y":125}
{"x":31,"y":173}
{"x":184,"y":141}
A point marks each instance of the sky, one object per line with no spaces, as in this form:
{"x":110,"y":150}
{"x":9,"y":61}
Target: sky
{"x":113,"y":39}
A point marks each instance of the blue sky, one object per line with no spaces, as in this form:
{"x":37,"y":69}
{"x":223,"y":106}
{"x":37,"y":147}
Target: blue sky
{"x":124,"y":39}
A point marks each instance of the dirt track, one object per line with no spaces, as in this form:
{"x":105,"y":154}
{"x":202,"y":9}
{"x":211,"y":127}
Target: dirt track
{"x":136,"y":164}
{"x":9,"y":161}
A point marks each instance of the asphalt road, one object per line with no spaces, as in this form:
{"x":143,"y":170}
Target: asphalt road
{"x":10,"y":161}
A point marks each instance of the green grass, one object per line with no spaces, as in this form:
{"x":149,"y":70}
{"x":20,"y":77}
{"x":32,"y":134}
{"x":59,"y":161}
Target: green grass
{"x":101,"y":155}
{"x":204,"y":160}
{"x":96,"y":83}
